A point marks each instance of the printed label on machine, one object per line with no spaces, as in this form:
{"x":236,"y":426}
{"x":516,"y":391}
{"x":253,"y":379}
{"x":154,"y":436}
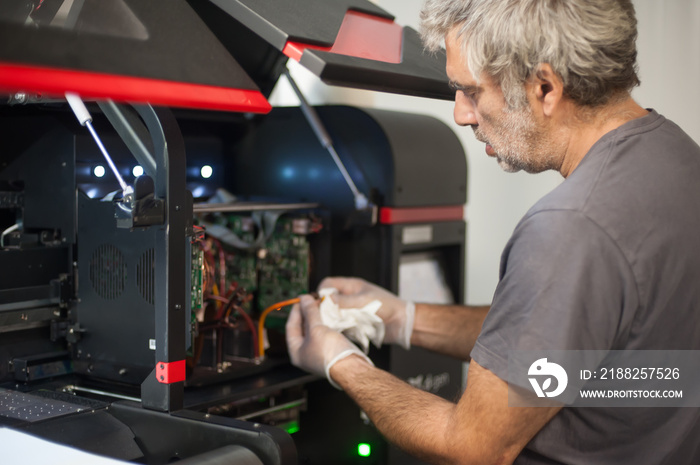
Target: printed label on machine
{"x":417,"y":234}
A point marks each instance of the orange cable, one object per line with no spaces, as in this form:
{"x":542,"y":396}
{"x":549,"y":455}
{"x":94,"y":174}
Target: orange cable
{"x":261,"y":322}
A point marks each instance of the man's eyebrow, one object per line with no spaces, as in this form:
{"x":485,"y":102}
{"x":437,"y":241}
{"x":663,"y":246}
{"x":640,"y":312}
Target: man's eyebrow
{"x":466,"y":88}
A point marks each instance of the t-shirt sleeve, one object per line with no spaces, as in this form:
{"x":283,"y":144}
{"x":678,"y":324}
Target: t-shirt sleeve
{"x":564,"y":285}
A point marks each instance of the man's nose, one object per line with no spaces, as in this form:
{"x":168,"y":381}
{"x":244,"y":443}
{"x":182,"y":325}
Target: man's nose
{"x":464,"y":112}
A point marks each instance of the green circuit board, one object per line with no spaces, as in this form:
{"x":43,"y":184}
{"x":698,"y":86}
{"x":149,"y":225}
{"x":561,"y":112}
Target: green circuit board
{"x":275,"y":271}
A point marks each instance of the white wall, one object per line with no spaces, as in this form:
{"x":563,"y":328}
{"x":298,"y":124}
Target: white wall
{"x":669,"y":60}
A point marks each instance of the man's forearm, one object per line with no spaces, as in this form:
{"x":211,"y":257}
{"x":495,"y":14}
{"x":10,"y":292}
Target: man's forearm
{"x":448,"y":329}
{"x":414,"y":420}
{"x":480,"y":429}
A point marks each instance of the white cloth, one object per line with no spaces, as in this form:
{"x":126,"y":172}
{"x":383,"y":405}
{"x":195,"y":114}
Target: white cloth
{"x":361,"y":325}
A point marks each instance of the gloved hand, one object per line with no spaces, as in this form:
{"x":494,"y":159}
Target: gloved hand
{"x":398,"y":315}
{"x":313,"y":346}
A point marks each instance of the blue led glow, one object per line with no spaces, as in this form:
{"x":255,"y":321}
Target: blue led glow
{"x":288,"y":172}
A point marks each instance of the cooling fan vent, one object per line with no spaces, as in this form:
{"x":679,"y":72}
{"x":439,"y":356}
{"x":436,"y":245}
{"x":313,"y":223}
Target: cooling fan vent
{"x":146,"y":276}
{"x":108,"y":272}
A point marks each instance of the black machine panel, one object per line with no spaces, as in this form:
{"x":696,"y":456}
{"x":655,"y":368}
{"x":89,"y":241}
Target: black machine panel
{"x":117,"y":296}
{"x":125,"y":431}
{"x":46,"y":46}
{"x":257,"y":34}
{"x":310,"y":21}
{"x":420,"y":73}
{"x":122,"y":37}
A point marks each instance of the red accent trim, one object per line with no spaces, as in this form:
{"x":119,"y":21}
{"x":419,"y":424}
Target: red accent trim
{"x":362,"y":36}
{"x":169,"y":373}
{"x":91,"y":85}
{"x":295,"y":50}
{"x":389,"y":215}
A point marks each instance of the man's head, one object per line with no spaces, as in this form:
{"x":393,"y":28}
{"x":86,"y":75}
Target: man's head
{"x":522,"y":49}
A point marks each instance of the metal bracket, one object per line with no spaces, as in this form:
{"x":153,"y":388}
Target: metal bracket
{"x":173,"y":372}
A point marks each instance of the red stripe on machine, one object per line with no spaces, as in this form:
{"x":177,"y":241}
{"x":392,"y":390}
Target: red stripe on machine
{"x":360,"y":35}
{"x":389,"y":215}
{"x":173,"y":372}
{"x":55,"y":82}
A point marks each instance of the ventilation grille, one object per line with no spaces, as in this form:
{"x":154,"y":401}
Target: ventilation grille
{"x":108,"y":272}
{"x":146,"y":276}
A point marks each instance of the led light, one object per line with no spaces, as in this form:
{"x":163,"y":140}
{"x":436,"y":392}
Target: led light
{"x":292,"y":427}
{"x":364,"y":450}
{"x":206,"y":171}
{"x":288,"y":172}
{"x":137,"y":171}
{"x":198,"y":191}
{"x":99,"y":171}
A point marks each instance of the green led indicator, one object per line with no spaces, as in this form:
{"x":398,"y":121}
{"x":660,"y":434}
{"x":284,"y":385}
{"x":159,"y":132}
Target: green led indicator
{"x":364,"y":450}
{"x":292,"y":427}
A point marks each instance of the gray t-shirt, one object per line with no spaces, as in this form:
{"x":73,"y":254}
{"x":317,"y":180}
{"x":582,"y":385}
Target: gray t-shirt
{"x":609,"y":260}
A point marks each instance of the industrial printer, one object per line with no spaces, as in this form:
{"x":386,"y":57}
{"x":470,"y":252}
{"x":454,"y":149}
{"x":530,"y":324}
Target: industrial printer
{"x":158,"y":218}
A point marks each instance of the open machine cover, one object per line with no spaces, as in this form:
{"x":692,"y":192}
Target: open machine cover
{"x":156,"y":51}
{"x":350,"y":43}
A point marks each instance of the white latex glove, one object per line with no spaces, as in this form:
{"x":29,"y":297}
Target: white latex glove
{"x":398,"y":315}
{"x":313,"y":346}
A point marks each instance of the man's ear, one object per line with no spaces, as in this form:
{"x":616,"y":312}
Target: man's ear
{"x":548,"y":88}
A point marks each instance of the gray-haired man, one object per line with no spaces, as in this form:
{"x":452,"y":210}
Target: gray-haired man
{"x":610,"y":260}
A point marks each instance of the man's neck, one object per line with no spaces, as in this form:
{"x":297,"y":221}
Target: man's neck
{"x":588,"y":126}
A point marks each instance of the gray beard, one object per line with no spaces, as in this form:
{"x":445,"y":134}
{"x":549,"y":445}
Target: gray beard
{"x":521,"y":140}
{"x":507,"y":166}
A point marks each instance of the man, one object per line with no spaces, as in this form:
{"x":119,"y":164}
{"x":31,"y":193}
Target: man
{"x":609,"y":260}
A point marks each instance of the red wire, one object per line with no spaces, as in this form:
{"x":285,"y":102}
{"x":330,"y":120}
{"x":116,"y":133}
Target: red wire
{"x":219,"y":298}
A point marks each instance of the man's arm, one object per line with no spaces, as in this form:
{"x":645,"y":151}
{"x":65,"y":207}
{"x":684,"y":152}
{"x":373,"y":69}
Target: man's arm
{"x":448,"y":329}
{"x":480,"y":429}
